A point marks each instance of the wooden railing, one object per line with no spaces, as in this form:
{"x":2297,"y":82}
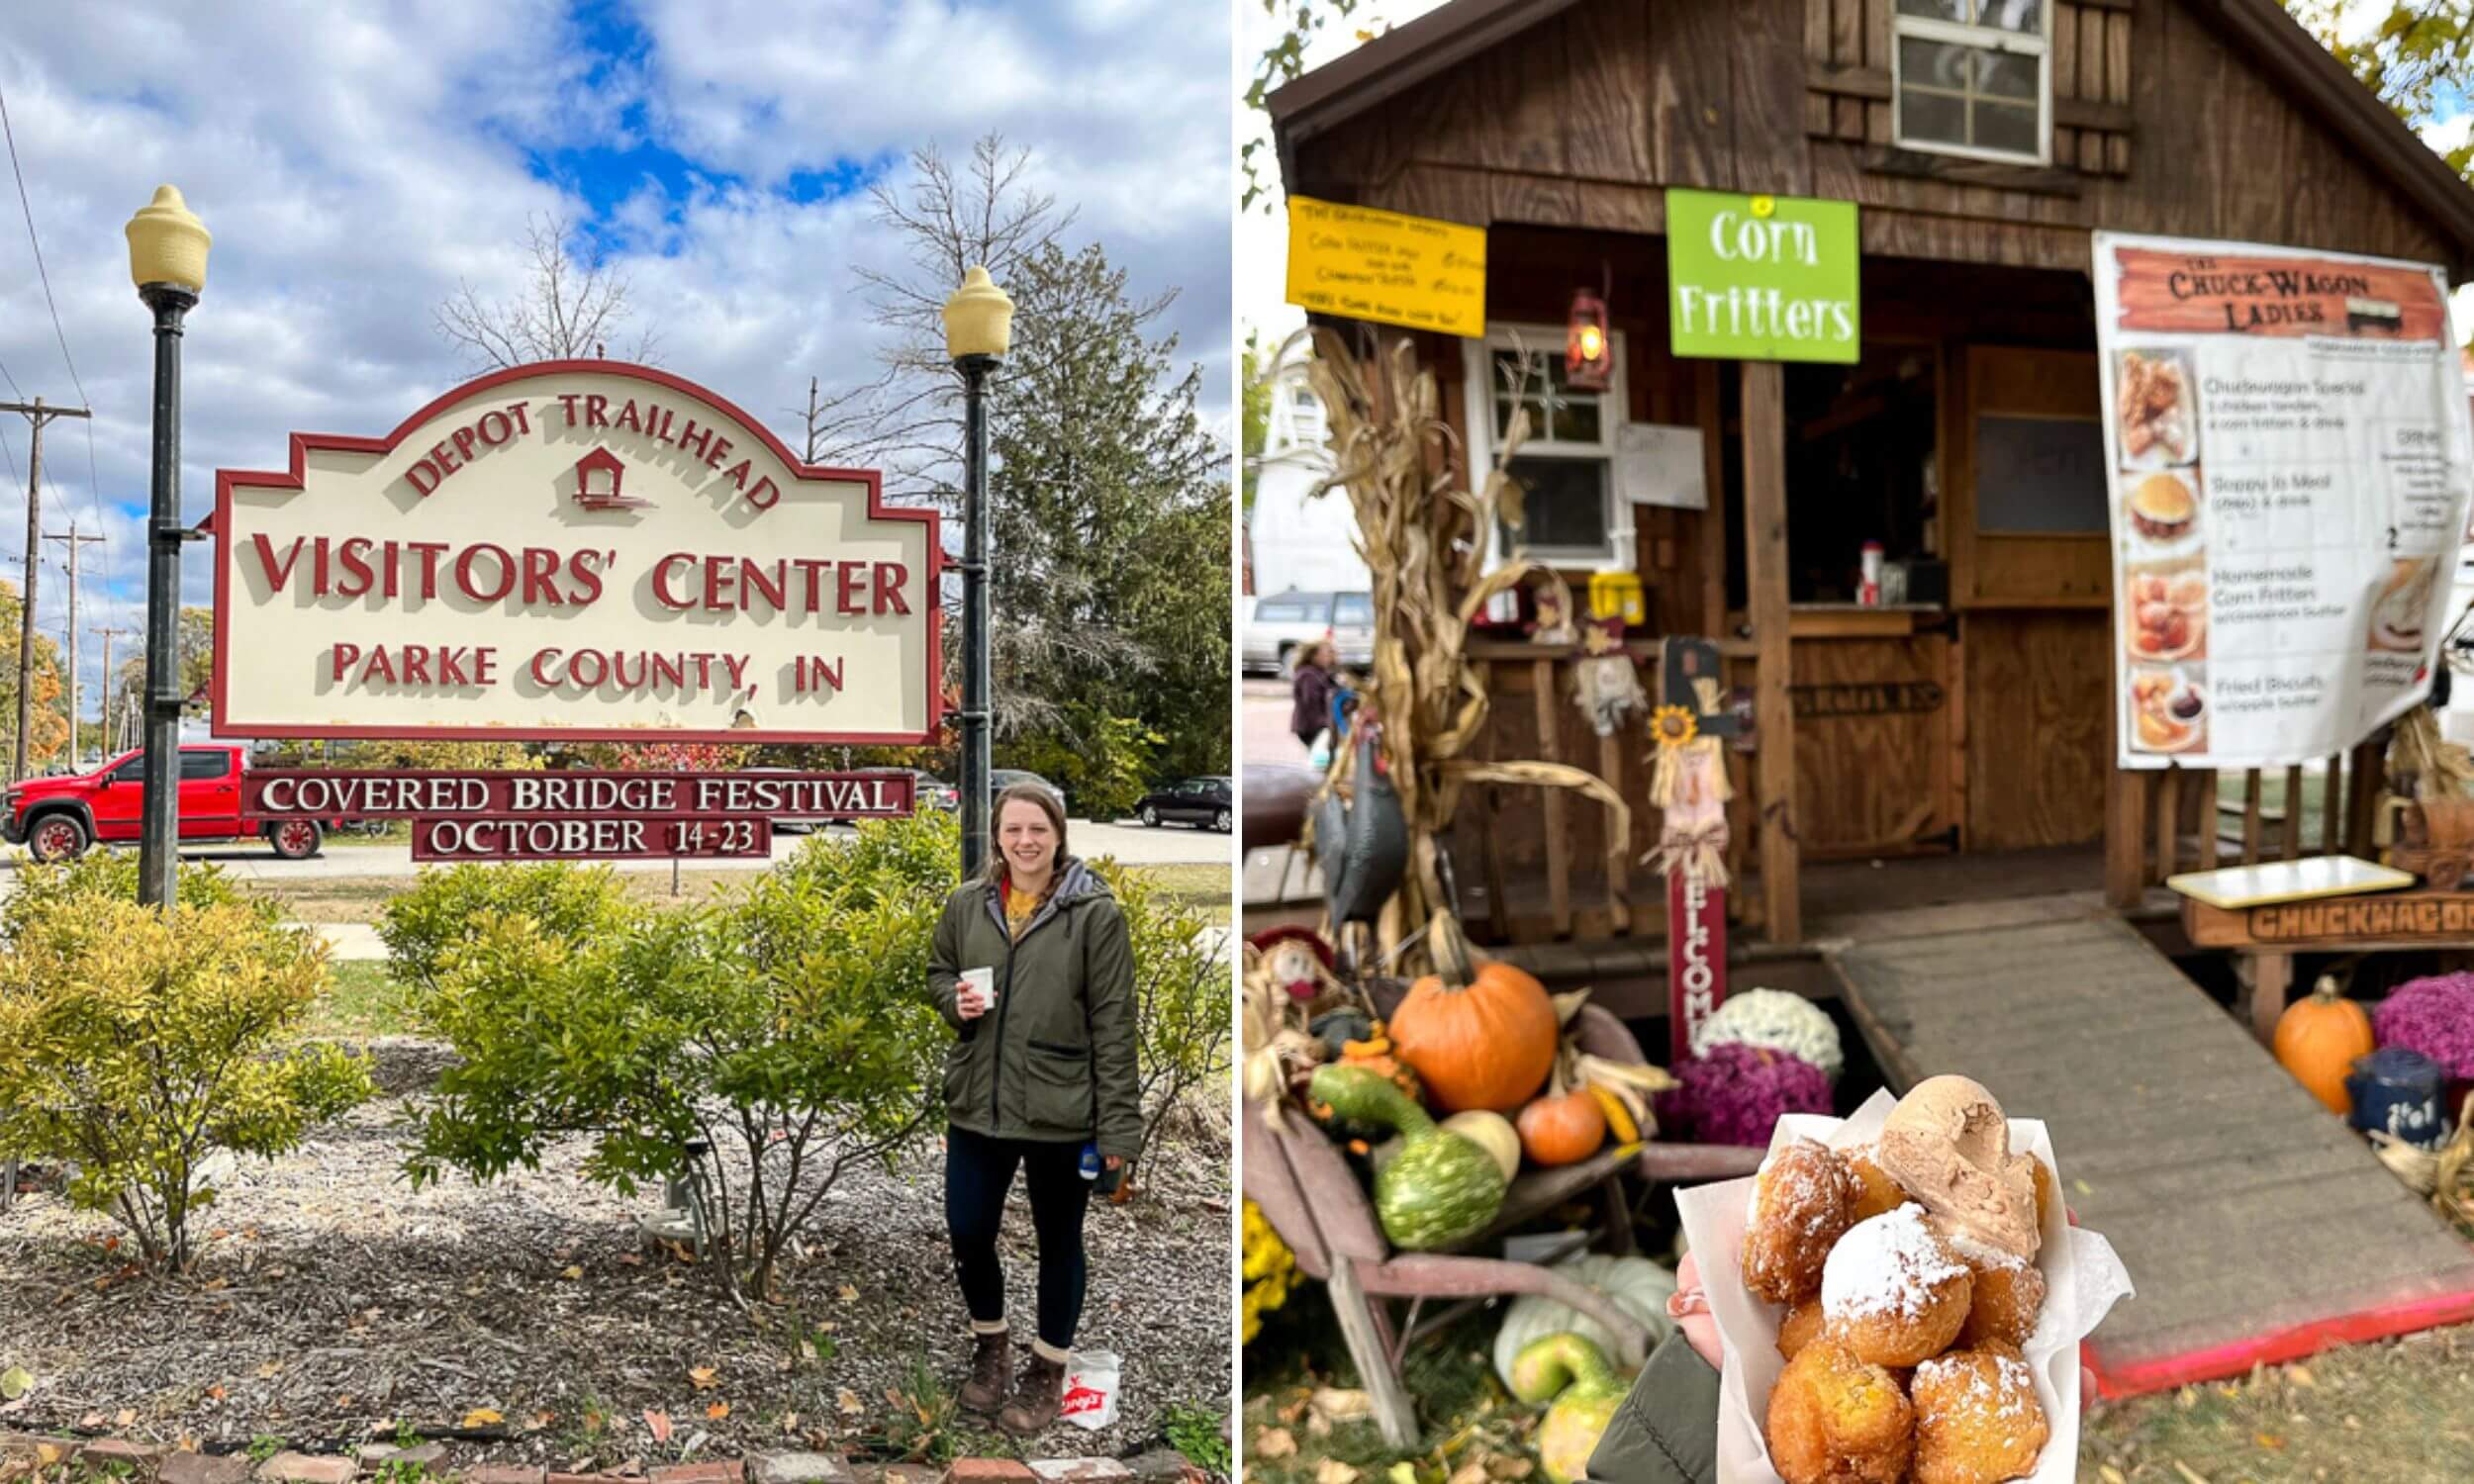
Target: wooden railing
{"x":2160,"y":823}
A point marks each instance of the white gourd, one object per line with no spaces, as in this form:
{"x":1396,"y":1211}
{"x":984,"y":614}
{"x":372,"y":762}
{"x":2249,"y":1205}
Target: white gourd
{"x":1493,"y":1132}
{"x":1638,"y":1287}
{"x":1778,"y":1021}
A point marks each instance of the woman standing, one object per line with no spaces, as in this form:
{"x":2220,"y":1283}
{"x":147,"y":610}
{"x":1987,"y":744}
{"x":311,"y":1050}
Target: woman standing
{"x":1311,"y":691}
{"x":1045,"y":1066}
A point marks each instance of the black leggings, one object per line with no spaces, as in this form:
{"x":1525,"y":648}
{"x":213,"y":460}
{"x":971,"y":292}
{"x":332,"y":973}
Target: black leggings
{"x":979,"y":1171}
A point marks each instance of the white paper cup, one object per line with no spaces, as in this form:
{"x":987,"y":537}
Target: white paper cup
{"x":983,"y":980}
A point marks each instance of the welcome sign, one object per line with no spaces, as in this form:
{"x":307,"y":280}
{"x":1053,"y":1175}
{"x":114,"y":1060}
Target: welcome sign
{"x":1762,"y":278}
{"x":581,"y":551}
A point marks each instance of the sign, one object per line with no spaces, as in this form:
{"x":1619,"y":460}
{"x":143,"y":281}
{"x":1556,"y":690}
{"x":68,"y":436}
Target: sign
{"x":1696,"y":958}
{"x":2397,"y":917}
{"x":574,"y":550}
{"x":1866,"y":698}
{"x":503,"y":794}
{"x":1762,"y":278}
{"x":1659,"y":465}
{"x":1367,"y":264}
{"x":656,"y":837}
{"x":2289,"y":464}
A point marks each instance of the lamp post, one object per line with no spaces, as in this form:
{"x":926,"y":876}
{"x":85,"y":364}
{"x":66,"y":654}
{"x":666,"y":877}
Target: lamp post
{"x":979,"y":328}
{"x":167,"y":261}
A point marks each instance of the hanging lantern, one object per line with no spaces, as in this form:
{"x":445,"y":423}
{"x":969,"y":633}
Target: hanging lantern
{"x":1588,"y":355}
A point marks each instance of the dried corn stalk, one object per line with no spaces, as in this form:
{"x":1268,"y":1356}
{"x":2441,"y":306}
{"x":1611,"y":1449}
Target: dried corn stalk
{"x":1424,"y":540}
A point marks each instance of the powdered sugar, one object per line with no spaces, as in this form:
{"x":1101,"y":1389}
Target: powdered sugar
{"x":2003,"y":1388}
{"x":1891,"y":1265}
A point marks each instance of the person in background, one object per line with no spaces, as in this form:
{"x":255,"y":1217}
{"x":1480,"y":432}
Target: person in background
{"x":1312,"y":692}
{"x":1044,"y":1065}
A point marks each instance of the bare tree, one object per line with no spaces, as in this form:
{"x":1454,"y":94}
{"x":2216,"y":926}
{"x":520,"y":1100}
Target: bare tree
{"x":948,"y":216}
{"x":570,"y":308}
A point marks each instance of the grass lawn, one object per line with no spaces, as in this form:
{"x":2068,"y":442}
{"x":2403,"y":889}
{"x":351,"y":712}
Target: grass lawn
{"x":360,"y":1001}
{"x":2399,"y":1411}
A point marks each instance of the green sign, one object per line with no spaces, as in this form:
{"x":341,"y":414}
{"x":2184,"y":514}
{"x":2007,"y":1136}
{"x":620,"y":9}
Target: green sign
{"x":1762,"y":278}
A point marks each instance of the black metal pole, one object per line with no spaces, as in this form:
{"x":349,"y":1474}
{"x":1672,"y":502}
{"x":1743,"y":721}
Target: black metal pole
{"x":159,"y":854}
{"x":974,"y":370}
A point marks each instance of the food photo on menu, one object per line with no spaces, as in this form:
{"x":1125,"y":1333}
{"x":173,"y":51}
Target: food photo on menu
{"x":2159,"y":423}
{"x":2400,"y":612}
{"x":2164,"y":507}
{"x":2168,"y":603}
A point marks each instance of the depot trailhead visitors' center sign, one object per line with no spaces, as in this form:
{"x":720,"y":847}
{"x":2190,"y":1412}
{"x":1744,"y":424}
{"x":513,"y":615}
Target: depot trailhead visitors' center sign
{"x":580,"y":550}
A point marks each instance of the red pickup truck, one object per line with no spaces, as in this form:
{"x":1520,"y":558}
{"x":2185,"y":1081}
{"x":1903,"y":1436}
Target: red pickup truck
{"x":57,"y":818}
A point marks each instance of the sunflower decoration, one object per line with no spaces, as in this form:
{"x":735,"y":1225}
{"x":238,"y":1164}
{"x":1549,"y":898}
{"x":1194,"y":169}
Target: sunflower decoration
{"x":1673,"y":727}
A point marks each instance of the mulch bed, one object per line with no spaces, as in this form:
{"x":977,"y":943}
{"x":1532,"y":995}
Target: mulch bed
{"x":333,"y":1302}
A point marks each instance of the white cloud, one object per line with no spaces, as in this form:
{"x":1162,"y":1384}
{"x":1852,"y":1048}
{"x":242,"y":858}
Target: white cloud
{"x":355,"y":162}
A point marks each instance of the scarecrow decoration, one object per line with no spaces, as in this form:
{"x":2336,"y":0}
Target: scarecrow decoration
{"x":1299,"y":962}
{"x":1603,"y":679}
{"x":1689,"y":785}
{"x":1554,"y":623}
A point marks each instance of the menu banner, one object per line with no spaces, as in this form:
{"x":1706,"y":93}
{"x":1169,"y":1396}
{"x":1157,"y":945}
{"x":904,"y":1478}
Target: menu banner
{"x":1368,"y":264}
{"x":2290,"y":465}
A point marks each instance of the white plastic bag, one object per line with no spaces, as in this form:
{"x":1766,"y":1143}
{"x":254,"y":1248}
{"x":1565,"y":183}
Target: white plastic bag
{"x":1090,"y":1387}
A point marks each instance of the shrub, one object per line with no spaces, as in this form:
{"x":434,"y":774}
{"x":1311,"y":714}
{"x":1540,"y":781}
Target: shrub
{"x":135,"y":1044}
{"x":764,"y":1047}
{"x":444,"y":909}
{"x":1181,"y":988}
{"x":113,"y":873}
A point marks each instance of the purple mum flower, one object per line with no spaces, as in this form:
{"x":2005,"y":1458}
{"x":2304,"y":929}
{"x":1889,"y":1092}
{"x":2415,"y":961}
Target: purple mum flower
{"x":1734,"y":1093}
{"x":2433,"y":1016}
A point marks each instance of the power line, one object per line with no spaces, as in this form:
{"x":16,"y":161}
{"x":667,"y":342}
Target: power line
{"x":94,"y":478}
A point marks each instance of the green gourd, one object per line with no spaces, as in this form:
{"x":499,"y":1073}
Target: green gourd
{"x":1441,"y":1187}
{"x":1570,"y":1373}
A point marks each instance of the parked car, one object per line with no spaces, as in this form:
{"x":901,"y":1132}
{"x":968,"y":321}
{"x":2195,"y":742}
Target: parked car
{"x":930,"y":792}
{"x":58,"y":818}
{"x":1283,"y":625}
{"x":1204,"y":802}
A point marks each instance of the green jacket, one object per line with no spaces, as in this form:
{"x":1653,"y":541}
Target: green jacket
{"x":1054,"y":1059}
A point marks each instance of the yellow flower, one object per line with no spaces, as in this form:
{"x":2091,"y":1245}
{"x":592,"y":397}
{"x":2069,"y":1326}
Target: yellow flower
{"x":1673,"y":727}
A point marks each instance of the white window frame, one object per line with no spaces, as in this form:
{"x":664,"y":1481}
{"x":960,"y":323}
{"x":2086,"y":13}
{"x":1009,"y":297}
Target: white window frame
{"x":1618,"y":552}
{"x":2038,"y":45}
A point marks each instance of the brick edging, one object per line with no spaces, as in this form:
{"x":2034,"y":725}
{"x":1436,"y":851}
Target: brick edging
{"x":150,"y":1463}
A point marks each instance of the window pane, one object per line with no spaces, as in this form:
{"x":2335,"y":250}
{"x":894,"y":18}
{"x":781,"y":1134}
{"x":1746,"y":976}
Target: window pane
{"x":130,"y":771}
{"x":1930,"y":118}
{"x":1566,"y":502}
{"x":1576,"y":419}
{"x":198,"y":764}
{"x":1933,"y":63}
{"x":2006,"y":76}
{"x":1282,"y":613}
{"x":1353,"y":609}
{"x":2004,"y":126}
{"x":1938,"y":10}
{"x":2013,"y":15}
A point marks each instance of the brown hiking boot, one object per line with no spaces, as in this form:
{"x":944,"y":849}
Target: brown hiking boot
{"x":1036,"y":1397}
{"x":992,"y":1356}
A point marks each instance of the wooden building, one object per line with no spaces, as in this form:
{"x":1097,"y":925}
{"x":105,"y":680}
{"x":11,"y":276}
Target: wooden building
{"x":1982,"y":140}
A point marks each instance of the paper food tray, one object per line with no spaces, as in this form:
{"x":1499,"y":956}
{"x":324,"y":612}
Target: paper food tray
{"x":2083,"y":1280}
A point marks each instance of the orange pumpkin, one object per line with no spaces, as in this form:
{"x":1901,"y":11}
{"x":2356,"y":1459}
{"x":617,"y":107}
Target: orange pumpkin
{"x":1486,"y":1041}
{"x":1563,"y":1127}
{"x":2317,"y":1041}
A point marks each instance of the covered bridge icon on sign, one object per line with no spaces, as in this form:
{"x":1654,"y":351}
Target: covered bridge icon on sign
{"x":600,"y":477}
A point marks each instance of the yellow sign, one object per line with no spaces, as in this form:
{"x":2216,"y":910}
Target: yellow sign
{"x":1366,"y":264}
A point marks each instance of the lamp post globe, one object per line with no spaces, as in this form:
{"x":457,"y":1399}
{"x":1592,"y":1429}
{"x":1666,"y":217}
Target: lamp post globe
{"x":167,"y":246}
{"x":979,"y":331}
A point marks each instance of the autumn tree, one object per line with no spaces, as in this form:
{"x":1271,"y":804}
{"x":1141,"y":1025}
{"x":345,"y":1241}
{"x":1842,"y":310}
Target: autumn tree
{"x":570,"y":308}
{"x":2415,"y":57}
{"x":50,"y":729}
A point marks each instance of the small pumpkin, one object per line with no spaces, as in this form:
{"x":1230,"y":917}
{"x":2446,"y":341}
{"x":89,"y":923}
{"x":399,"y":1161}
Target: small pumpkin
{"x":2316,"y":1040}
{"x":1635,"y":1286}
{"x":1337,"y":1028}
{"x":1493,"y":1132}
{"x":1571,"y":1373}
{"x":1440,"y":1188}
{"x":1564,"y":1124}
{"x":1481,"y":1037}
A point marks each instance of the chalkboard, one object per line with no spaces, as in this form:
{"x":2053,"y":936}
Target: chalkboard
{"x":2041,"y":475}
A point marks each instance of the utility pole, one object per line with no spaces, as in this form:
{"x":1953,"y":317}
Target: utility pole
{"x":103,"y":712}
{"x":73,"y":541}
{"x":38,"y":413}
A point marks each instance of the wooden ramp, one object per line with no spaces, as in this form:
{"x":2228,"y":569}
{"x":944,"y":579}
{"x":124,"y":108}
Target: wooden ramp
{"x":2254,"y":1225}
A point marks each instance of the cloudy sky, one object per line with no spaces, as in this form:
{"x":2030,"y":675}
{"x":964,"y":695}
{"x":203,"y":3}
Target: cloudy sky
{"x":356,"y":162}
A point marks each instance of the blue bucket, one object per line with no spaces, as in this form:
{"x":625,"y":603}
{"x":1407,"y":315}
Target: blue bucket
{"x":2396,"y":1091}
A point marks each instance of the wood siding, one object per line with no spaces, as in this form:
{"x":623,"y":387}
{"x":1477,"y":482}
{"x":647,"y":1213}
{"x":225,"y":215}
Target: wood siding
{"x":1582,"y":119}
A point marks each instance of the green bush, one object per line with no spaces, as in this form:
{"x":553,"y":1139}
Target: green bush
{"x":113,"y":873}
{"x":788,"y":1033}
{"x":134,"y":1045}
{"x":445,"y":908}
{"x":1181,"y":990}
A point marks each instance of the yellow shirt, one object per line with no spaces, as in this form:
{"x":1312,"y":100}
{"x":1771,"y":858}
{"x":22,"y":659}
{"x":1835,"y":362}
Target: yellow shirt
{"x":1020,"y":908}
